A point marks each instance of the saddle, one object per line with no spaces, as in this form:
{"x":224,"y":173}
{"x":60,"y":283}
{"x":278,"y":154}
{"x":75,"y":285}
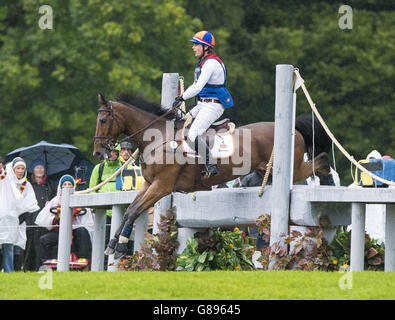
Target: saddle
{"x":221,"y":124}
{"x":220,"y":135}
{"x":222,"y":127}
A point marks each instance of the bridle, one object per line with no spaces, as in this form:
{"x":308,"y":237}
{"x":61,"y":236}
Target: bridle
{"x":109,"y":143}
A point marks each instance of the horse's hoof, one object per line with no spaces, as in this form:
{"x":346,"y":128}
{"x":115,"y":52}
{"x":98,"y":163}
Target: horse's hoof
{"x":111,"y":247}
{"x":121,"y":250}
{"x":109,"y":251}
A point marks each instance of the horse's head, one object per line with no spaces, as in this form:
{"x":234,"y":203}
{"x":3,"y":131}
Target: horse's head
{"x":108,"y":128}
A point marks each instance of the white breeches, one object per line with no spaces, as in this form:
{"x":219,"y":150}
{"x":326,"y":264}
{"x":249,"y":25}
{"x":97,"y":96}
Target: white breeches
{"x":205,"y":114}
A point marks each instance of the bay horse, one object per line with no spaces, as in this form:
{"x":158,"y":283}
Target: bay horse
{"x":164,"y":164}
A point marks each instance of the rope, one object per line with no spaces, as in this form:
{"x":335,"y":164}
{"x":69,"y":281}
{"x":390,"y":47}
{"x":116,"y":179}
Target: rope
{"x":348,"y":156}
{"x":268,"y":168}
{"x":133,"y":157}
{"x":181,"y":81}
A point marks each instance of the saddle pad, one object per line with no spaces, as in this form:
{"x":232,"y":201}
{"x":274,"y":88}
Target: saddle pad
{"x":222,"y":148}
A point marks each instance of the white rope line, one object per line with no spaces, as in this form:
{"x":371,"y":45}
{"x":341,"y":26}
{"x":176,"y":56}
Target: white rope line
{"x":181,"y":81}
{"x":348,"y":156}
{"x":132,"y":158}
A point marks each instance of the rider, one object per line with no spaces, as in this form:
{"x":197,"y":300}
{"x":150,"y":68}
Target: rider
{"x":213,"y":97}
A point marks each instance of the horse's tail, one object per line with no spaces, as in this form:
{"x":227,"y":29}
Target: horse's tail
{"x":322,"y":142}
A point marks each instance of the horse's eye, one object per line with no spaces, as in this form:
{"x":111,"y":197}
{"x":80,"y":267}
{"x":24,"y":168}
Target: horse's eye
{"x":102,"y":121}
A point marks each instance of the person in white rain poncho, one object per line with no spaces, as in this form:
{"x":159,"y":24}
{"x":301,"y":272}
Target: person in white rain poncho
{"x":81,"y":224}
{"x":17,"y":198}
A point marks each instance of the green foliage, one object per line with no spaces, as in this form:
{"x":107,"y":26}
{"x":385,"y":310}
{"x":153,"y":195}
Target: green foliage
{"x":217,"y":250}
{"x":159,"y":251}
{"x":341,"y":246}
{"x":311,"y":252}
{"x":50,"y":78}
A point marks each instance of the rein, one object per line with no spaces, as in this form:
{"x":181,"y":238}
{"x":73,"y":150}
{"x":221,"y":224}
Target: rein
{"x":110,"y":143}
{"x":148,"y":125}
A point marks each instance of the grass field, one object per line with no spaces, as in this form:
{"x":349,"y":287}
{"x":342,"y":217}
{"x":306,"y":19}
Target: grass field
{"x":215,"y":285}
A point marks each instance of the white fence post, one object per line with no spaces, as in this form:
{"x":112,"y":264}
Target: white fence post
{"x":169,"y":89}
{"x":282,"y":154}
{"x":65,"y":230}
{"x":389,"y":259}
{"x":160,"y":208}
{"x":98,"y":243}
{"x":357,"y":236}
{"x":140,"y":227}
{"x":116,"y":219}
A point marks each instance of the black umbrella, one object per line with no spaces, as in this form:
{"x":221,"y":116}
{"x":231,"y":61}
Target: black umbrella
{"x":58,"y":158}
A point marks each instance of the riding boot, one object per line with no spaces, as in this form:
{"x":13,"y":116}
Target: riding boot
{"x":204,"y":152}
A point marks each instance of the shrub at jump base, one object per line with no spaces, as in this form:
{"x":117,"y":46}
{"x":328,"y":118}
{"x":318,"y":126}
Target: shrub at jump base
{"x":227,"y":250}
{"x":159,"y":251}
{"x":311,"y":251}
{"x":217,"y":250}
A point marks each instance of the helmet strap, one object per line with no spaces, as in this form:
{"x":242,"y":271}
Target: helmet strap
{"x":205,"y":49}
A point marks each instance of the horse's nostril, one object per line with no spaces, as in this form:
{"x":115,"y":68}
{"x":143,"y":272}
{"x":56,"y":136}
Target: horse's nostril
{"x":98,"y":155}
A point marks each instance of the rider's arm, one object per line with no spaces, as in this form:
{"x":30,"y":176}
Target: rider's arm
{"x":207,"y":70}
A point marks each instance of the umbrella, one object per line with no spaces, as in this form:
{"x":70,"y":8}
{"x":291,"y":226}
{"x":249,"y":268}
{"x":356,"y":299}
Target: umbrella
{"x":58,"y":158}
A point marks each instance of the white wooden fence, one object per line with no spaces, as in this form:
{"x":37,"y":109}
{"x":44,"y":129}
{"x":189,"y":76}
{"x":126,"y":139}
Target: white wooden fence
{"x":287,"y":204}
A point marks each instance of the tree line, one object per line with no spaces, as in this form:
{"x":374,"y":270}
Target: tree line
{"x":50,"y":78}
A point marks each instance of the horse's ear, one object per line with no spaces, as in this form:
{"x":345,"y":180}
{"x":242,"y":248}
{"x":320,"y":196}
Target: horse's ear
{"x":102,"y":100}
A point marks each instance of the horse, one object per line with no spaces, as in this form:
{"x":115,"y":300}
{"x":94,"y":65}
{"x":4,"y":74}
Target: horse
{"x":164,"y":164}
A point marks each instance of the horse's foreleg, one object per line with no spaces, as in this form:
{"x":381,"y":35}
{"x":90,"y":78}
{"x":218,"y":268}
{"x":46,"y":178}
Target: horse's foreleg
{"x":113,"y":242}
{"x":154,"y":193}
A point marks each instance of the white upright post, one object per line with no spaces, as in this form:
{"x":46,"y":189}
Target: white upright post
{"x":389,"y":259}
{"x":99,"y":237}
{"x":169,"y":89}
{"x":116,"y":219}
{"x":160,"y":208}
{"x":140,"y":227}
{"x":357,"y":236}
{"x":282,"y":154}
{"x":65,"y":229}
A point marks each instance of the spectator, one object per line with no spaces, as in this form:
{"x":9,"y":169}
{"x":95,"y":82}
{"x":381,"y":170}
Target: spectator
{"x":17,"y":199}
{"x":101,"y":172}
{"x":104,"y":170}
{"x":81,"y":241}
{"x":45,"y":190}
{"x":130,"y":177}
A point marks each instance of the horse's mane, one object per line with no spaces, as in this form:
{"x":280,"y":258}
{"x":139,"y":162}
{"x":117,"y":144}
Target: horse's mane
{"x":131,"y":99}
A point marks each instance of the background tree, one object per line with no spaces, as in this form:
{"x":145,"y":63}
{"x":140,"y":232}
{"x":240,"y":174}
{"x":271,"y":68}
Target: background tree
{"x":50,"y":78}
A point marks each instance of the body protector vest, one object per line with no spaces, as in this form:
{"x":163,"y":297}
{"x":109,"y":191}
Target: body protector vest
{"x":218,"y":91}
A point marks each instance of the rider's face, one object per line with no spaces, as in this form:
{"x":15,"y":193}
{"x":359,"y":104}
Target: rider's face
{"x":197,"y":50}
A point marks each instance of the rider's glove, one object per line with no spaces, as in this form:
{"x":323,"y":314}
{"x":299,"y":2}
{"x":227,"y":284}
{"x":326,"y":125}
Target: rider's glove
{"x":178,"y":101}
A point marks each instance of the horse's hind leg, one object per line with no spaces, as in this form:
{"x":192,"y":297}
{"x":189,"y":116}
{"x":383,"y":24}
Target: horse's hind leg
{"x":322,"y":163}
{"x":303,"y":170}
